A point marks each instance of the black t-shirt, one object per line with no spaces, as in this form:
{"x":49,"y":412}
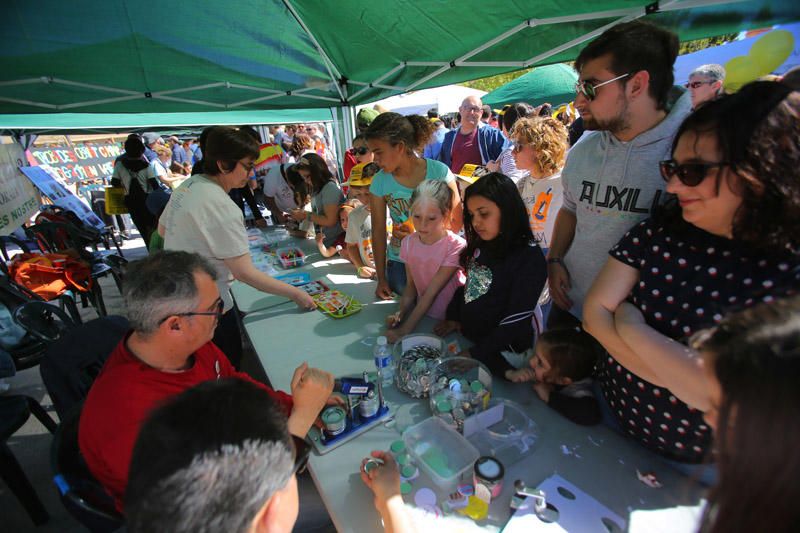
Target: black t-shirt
{"x":688,"y":281}
{"x":496,"y":306}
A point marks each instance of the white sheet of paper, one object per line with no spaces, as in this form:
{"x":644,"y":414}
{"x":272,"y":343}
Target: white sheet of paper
{"x":684,"y":518}
{"x":346,"y":279}
{"x":583,"y":513}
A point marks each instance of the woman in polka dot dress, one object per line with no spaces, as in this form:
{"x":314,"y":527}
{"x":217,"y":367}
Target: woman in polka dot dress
{"x":730,"y":238}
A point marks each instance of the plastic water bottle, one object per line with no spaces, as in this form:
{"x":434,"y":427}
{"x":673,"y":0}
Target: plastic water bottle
{"x":383,"y":362}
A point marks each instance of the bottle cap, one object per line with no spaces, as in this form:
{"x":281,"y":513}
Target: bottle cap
{"x":382,"y":341}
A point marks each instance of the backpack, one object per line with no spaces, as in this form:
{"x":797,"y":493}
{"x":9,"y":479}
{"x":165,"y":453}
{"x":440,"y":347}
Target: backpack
{"x":50,"y":275}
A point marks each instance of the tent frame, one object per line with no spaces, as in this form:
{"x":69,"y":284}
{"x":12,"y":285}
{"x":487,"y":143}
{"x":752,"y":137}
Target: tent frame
{"x":341,"y":83}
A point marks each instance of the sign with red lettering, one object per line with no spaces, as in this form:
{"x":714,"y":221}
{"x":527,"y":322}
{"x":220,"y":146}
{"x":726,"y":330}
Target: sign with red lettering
{"x":78,"y":162}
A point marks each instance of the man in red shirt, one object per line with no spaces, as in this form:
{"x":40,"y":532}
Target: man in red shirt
{"x":173,"y":306}
{"x":473,"y":142}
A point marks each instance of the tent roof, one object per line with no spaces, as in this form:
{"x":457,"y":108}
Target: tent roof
{"x":552,"y":83}
{"x":68,"y":123}
{"x":121,"y":56}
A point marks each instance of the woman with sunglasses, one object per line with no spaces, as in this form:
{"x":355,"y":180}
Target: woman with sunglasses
{"x":202,"y":218}
{"x":728,"y":238}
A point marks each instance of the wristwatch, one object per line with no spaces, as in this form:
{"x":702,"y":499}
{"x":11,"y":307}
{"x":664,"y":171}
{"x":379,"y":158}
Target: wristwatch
{"x":556,"y":260}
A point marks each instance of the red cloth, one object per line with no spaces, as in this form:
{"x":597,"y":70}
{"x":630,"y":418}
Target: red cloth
{"x":349,"y":163}
{"x":465,"y":151}
{"x":124,"y":394}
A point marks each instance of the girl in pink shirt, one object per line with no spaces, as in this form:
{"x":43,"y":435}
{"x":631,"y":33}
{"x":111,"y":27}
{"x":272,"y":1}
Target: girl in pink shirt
{"x":431,"y":257}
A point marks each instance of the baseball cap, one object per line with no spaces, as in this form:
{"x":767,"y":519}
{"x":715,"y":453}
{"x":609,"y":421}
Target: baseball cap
{"x":150,"y":137}
{"x":357,"y":178}
{"x":365,"y":117}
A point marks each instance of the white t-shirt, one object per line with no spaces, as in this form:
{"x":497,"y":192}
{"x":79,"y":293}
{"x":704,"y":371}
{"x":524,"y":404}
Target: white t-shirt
{"x":200,"y":217}
{"x":275,"y":186}
{"x":542,"y":199}
{"x":359,"y":231}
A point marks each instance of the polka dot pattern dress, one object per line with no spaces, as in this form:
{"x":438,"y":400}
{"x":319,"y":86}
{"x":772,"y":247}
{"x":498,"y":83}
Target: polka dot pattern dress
{"x":688,"y":280}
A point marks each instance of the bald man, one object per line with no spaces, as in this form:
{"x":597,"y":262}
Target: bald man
{"x":473,"y":142}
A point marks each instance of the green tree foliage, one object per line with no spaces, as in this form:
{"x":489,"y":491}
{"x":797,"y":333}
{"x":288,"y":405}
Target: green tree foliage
{"x":491,"y":83}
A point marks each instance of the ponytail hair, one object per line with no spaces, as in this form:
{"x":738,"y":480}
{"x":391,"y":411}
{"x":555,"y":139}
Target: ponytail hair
{"x":414,"y":131}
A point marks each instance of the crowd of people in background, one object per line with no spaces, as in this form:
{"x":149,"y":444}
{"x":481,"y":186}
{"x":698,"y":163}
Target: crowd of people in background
{"x":634,"y":254}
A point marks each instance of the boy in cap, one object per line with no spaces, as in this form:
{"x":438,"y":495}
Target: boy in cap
{"x":359,"y":228}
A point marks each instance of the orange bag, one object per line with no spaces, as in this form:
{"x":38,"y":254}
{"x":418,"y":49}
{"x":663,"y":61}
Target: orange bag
{"x":50,"y":275}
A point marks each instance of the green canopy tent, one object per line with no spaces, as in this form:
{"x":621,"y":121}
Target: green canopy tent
{"x":553,"y":83}
{"x":122,"y":56}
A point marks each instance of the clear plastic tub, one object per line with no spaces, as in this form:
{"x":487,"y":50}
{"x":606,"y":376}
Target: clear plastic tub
{"x":291,"y":257}
{"x":440,"y":452}
{"x":413,"y":365}
{"x":460,"y":387}
{"x":503,"y":430}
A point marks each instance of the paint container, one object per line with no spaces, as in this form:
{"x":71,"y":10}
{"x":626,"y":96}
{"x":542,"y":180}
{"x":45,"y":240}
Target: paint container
{"x":335,"y":420}
{"x":488,"y":476}
{"x":369,"y":405}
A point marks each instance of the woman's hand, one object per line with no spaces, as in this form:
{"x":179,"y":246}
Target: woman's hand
{"x":492,"y":166}
{"x":383,"y":480}
{"x":299,"y":214}
{"x":304,"y":300}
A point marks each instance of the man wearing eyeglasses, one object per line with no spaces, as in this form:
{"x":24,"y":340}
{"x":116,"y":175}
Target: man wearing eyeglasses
{"x":611,"y":177}
{"x":473,"y":142}
{"x":173,"y":306}
{"x":705,"y":83}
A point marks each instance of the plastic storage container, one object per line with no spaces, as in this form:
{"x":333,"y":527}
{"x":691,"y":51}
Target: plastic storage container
{"x":440,"y":452}
{"x":291,"y":257}
{"x":460,"y":387}
{"x":415,"y":357}
{"x":503,"y":430}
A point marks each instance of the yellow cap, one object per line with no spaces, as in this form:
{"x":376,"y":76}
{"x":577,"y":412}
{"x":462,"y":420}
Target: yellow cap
{"x":357,"y":178}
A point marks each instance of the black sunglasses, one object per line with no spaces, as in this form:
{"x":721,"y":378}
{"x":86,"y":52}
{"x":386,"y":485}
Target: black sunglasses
{"x":302,"y":450}
{"x":360,"y":151}
{"x":589,"y":89}
{"x":690,"y":174}
{"x":216,"y":312}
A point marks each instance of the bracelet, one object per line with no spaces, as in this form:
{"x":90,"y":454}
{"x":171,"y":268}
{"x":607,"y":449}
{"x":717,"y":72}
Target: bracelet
{"x":556,"y":261}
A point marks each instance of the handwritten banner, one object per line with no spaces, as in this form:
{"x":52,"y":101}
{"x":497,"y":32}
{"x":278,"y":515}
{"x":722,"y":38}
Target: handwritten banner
{"x":18,"y":198}
{"x":78,"y":162}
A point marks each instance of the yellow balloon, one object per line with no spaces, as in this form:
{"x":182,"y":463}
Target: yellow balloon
{"x":740,"y":70}
{"x":771,"y":50}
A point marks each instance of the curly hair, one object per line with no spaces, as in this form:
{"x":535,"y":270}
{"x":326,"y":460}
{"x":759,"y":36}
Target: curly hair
{"x":548,"y":137}
{"x":758,"y":131}
{"x":415,"y":131}
{"x":301,"y":142}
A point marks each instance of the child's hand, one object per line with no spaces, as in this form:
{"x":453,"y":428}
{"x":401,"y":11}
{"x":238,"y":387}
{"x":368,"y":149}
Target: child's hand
{"x":319,"y":237}
{"x":543,"y":391}
{"x":521,"y":375}
{"x":401,"y":231}
{"x":384,"y":480}
{"x":394,"y":335}
{"x":366,"y":272}
{"x":299,"y":214}
{"x":393,"y":320}
{"x":446,"y":326}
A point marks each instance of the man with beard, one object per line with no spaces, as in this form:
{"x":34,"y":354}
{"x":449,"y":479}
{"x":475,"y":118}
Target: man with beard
{"x":611,"y":178}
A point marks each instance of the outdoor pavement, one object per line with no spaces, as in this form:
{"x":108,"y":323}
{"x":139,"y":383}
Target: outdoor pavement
{"x":31,"y":443}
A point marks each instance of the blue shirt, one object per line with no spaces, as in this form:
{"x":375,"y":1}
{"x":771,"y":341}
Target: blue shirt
{"x":433,"y":148}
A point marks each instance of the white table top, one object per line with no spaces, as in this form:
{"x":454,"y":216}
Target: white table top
{"x":597,"y":460}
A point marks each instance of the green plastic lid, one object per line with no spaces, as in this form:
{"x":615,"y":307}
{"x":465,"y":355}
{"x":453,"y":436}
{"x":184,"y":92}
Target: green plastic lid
{"x":444,"y":406}
{"x":398,"y":446}
{"x":405,"y":487}
{"x":403,"y":459}
{"x":332,"y":415}
{"x":476,"y":386}
{"x":408,"y":471}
